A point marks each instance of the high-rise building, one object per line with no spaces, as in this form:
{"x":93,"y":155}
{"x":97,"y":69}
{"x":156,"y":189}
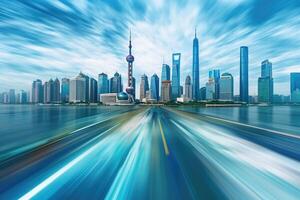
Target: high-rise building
{"x":56,"y":91}
{"x":77,"y":89}
{"x":133,"y":85}
{"x":226,"y":87}
{"x":188,"y":89}
{"x":203,"y":93}
{"x":166,"y":91}
{"x":116,"y":83}
{"x":265,"y":83}
{"x":87,"y":86}
{"x":215,"y":76}
{"x":195,"y":82}
{"x":210,"y":90}
{"x":130,"y":58}
{"x":176,"y":75}
{"x":165,"y":72}
{"x":265,"y":90}
{"x":266,"y":69}
{"x":93,"y":90}
{"x":295,"y":87}
{"x":22,"y":97}
{"x":103,"y":84}
{"x":2,"y":97}
{"x":244,"y":83}
{"x":144,"y":86}
{"x":12,"y":96}
{"x":49,"y":91}
{"x":155,"y":87}
{"x":5,"y":97}
{"x":65,"y":90}
{"x":37,"y":91}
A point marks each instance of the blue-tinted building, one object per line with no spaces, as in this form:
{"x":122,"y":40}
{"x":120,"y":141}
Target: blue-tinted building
{"x":295,"y":87}
{"x":195,"y":76}
{"x":226,"y":87}
{"x":12,"y":96}
{"x":93,"y":90}
{"x":155,"y":87}
{"x":165,"y":72}
{"x":176,"y":75}
{"x":103,"y":84}
{"x":144,"y":86}
{"x":65,"y":90}
{"x":116,"y":83}
{"x":266,"y":69}
{"x":215,"y":76}
{"x":244,"y":83}
{"x":87,"y":85}
{"x":265,"y":83}
{"x":37,"y":92}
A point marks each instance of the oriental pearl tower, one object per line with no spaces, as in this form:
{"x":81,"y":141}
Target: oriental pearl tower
{"x":130,"y":89}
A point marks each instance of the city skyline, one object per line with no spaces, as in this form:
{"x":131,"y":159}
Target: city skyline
{"x":93,"y":50}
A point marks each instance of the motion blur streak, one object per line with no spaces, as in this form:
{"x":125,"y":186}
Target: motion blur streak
{"x":158,"y":153}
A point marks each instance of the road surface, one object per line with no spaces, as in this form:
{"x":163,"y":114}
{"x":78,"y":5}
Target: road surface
{"x":158,"y":153}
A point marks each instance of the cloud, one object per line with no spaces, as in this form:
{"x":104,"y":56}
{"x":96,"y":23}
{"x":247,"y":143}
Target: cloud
{"x":58,"y":39}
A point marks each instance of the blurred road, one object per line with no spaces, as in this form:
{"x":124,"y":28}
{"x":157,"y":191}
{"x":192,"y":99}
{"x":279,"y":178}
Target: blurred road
{"x":158,"y":153}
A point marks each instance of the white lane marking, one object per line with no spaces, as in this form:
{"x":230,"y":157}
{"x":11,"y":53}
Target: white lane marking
{"x":256,"y":127}
{"x":61,"y":171}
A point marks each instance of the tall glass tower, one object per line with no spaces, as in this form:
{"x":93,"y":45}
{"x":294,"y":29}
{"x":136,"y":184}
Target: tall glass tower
{"x":295,"y":87}
{"x":176,"y":75}
{"x":165,"y":72}
{"x":155,"y":87}
{"x":244,"y":83}
{"x":195,"y":81}
{"x":103,"y":83}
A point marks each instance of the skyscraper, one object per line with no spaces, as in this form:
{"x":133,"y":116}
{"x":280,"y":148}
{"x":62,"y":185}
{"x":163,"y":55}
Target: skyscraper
{"x":130,"y":89}
{"x":188,"y":89}
{"x":65,"y":90}
{"x":213,"y":85}
{"x":155,"y":87}
{"x":144,"y":86}
{"x":87,"y":86}
{"x":56,"y":91}
{"x":12,"y":96}
{"x":23,"y":97}
{"x":203,"y":93}
{"x":116,"y":83}
{"x":103,"y":84}
{"x":226,"y":87}
{"x":244,"y":87}
{"x":265,"y":83}
{"x":77,"y":89}
{"x":210,"y":90}
{"x":37,"y":91}
{"x":49,"y":91}
{"x":93,"y":91}
{"x":176,"y":75}
{"x":295,"y":87}
{"x":133,"y":85}
{"x":166,"y":91}
{"x":195,"y":75}
{"x":165,"y":72}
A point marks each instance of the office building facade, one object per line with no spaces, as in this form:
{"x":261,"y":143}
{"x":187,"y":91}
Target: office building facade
{"x":176,"y":75}
{"x":155,"y":87}
{"x":226,"y":87}
{"x":195,"y":76}
{"x":295,"y":87}
{"x":244,"y":82}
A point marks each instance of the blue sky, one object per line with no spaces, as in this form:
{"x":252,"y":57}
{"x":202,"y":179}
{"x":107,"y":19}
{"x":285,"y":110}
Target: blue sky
{"x":49,"y":39}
